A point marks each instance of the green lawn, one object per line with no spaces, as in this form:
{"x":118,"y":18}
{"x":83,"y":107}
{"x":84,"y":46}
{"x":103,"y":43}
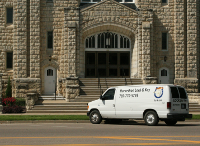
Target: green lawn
{"x":42,"y":117}
{"x":53,"y":117}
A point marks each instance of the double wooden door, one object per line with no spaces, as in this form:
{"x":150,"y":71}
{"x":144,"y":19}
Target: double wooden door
{"x":107,"y":64}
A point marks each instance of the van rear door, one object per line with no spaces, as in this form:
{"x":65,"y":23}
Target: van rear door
{"x":179,"y":101}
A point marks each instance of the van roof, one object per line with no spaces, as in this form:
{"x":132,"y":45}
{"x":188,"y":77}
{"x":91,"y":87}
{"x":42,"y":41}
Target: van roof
{"x":140,"y":85}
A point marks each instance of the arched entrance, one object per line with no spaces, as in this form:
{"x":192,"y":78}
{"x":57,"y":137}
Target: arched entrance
{"x":107,"y":54}
{"x":49,"y":80}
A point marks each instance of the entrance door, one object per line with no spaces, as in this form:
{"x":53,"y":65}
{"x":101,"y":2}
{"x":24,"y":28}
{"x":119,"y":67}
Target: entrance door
{"x":164,"y":75}
{"x":107,"y":64}
{"x":49,"y":80}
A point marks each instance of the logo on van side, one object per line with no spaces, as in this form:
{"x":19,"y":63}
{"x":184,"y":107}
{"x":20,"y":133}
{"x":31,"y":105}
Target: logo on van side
{"x":158,"y":93}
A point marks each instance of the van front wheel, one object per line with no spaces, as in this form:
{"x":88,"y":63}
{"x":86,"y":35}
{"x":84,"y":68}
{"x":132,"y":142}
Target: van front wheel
{"x":151,"y":118}
{"x":95,"y":117}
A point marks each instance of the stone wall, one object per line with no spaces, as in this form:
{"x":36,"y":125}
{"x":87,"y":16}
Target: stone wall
{"x":72,"y":88}
{"x":1,"y":92}
{"x":21,"y":87}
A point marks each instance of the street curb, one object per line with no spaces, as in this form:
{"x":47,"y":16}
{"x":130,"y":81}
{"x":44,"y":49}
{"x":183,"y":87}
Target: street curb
{"x":69,"y":121}
{"x":46,"y":121}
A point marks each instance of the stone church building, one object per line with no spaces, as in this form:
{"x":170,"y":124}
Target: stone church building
{"x":48,"y":45}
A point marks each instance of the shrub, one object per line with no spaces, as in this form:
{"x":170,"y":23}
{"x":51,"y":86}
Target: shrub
{"x":12,"y":109}
{"x":10,"y":101}
{"x":20,"y":102}
{"x":9,"y":89}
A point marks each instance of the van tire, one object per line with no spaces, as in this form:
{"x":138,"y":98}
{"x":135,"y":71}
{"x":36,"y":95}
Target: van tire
{"x":171,"y":122}
{"x":151,"y":118}
{"x":95,"y":117}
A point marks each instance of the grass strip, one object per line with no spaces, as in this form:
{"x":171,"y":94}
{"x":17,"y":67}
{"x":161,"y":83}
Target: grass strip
{"x":55,"y":117}
{"x":42,"y":117}
{"x":195,"y":117}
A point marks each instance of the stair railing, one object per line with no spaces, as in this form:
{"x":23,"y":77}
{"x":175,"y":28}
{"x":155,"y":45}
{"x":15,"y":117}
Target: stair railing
{"x":55,"y":89}
{"x":99,"y":84}
{"x":124,"y":76}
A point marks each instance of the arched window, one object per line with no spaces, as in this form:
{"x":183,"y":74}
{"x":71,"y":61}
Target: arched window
{"x":163,"y":72}
{"x":49,"y":72}
{"x":107,"y":40}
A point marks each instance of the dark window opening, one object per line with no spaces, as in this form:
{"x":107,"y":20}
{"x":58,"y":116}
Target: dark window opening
{"x":50,"y":40}
{"x":182,"y":92}
{"x":164,"y":1}
{"x":9,"y":62}
{"x":49,"y":72}
{"x":9,"y":15}
{"x":174,"y":92}
{"x":164,"y":41}
{"x":163,"y":72}
{"x":109,"y":95}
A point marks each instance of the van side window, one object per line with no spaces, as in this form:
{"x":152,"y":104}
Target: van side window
{"x":109,"y":95}
{"x":182,"y":92}
{"x":174,"y":92}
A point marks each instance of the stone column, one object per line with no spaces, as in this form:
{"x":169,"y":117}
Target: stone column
{"x":35,"y":38}
{"x":179,"y":39}
{"x":186,"y":47}
{"x":146,"y":47}
{"x":192,"y":37}
{"x":20,"y":39}
{"x":70,"y":42}
{"x":1,"y":92}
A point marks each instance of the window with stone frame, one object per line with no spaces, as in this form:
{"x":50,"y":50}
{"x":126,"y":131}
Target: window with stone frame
{"x":164,"y":1}
{"x":50,"y":1}
{"x":164,"y":41}
{"x":50,"y":40}
{"x":9,"y":60}
{"x":9,"y":15}
{"x":120,"y":1}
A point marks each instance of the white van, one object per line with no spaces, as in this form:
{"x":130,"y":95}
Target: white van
{"x":152,"y":103}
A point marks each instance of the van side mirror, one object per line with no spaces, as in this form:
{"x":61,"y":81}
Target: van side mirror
{"x":102,"y":97}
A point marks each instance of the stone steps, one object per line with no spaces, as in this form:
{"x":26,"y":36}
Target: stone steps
{"x":92,"y":88}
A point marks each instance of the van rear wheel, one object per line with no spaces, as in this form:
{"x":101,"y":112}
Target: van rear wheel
{"x":171,"y":122}
{"x":151,"y":118}
{"x":95,"y":117}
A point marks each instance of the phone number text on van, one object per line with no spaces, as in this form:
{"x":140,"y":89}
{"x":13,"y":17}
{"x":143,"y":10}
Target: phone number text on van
{"x":128,"y":95}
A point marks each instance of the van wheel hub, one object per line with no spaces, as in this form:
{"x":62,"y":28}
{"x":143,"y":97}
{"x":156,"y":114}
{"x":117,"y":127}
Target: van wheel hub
{"x":95,"y":117}
{"x":150,"y":118}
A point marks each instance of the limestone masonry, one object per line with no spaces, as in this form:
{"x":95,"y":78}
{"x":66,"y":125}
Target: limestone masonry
{"x":147,"y":39}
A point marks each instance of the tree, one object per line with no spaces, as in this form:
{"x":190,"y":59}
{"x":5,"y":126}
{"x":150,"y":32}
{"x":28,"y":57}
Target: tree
{"x":9,"y":89}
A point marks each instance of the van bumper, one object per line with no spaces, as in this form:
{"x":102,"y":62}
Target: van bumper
{"x":179,"y":116}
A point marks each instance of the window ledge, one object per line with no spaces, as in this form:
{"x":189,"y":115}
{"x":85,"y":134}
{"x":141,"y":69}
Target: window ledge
{"x":164,"y":4}
{"x":9,"y":70}
{"x":9,"y":25}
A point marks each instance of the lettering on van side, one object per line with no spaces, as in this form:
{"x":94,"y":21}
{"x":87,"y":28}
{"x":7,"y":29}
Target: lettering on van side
{"x":179,"y":100}
{"x":136,"y":90}
{"x":128,"y":95}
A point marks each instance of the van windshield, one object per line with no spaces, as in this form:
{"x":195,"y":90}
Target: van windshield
{"x":182,"y":93}
{"x":174,"y":92}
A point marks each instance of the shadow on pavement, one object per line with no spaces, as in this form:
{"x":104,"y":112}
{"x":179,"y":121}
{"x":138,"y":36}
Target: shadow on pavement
{"x":142,"y":123}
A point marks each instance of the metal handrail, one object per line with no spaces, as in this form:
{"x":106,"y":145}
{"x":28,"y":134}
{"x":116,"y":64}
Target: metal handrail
{"x":123,"y":76}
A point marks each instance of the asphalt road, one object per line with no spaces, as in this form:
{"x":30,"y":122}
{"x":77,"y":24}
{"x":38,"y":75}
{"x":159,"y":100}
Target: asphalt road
{"x":81,"y":134}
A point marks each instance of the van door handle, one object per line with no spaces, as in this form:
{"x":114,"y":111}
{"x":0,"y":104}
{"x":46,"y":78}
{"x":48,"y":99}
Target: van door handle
{"x":113,"y":105}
